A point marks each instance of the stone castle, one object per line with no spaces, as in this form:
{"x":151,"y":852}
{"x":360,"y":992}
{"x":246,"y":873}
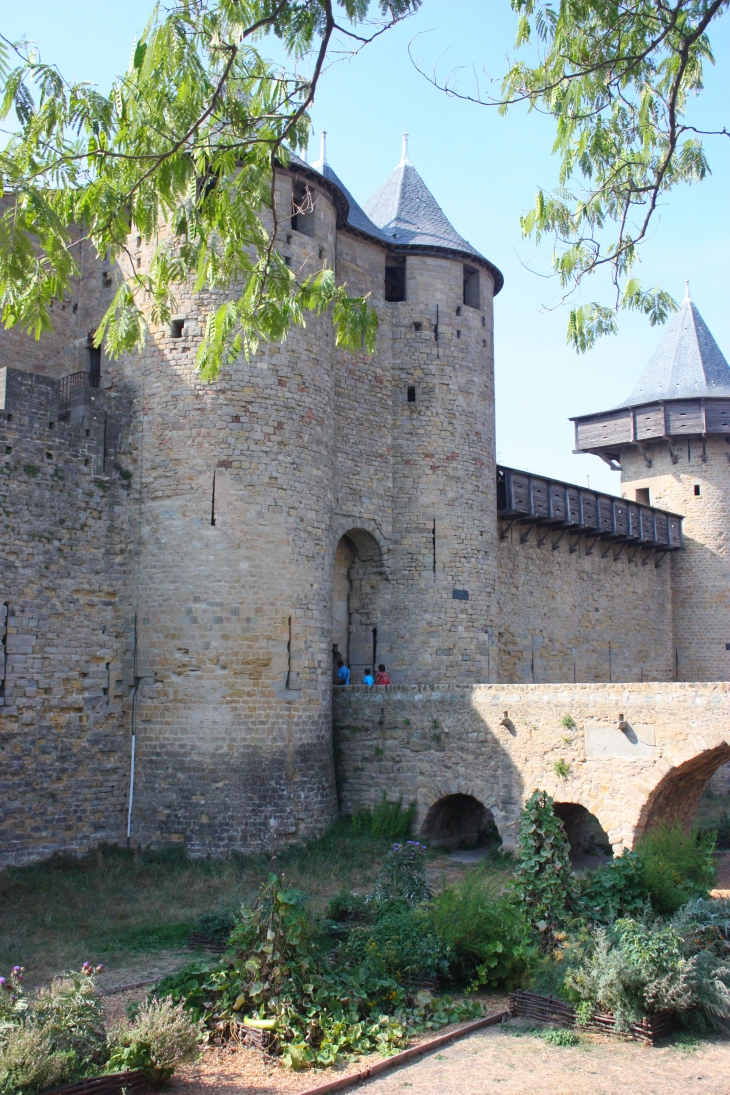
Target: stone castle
{"x":183,"y":562}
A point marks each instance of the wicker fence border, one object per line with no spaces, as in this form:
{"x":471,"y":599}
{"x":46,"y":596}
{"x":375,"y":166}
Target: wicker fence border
{"x":116,"y":1083}
{"x":548,"y":1009}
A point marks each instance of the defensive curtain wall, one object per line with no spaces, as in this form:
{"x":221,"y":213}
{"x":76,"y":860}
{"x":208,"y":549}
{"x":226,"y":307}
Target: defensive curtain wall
{"x":630,"y":754}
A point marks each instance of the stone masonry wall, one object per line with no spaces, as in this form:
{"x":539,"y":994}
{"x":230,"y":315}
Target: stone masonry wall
{"x":575,"y":617}
{"x":702,"y":570}
{"x":498,"y":743}
{"x":64,"y":510}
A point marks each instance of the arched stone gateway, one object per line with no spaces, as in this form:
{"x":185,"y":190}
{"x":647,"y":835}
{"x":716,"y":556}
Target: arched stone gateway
{"x":358,"y":601}
{"x":458,"y":819}
{"x":583,"y":830}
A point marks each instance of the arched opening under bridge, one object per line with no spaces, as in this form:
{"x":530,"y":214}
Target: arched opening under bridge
{"x":677,"y":796}
{"x":586,"y":836}
{"x":457,"y":820}
{"x":357,"y":603}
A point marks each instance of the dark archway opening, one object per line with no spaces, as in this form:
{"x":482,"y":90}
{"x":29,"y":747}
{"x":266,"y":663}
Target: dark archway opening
{"x":459,"y":821}
{"x":357,"y":603}
{"x":586,"y":836}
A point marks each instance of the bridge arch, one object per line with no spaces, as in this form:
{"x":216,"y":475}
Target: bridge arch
{"x":677,"y":795}
{"x":458,"y":819}
{"x":584,"y":832}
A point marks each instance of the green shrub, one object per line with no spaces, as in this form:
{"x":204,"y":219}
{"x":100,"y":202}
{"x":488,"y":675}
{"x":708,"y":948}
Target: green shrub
{"x":387,"y":820}
{"x":215,"y":926}
{"x":485,"y":935}
{"x":561,"y":768}
{"x":543,"y":878}
{"x":676,"y":866}
{"x":400,"y":943}
{"x":162,"y":1037}
{"x":636,"y":970}
{"x":28,"y":1061}
{"x":403,"y":874}
{"x":613,"y":891}
{"x":71,"y":1014}
{"x":560,"y":1036}
{"x":349,"y":907}
{"x":705,"y":925}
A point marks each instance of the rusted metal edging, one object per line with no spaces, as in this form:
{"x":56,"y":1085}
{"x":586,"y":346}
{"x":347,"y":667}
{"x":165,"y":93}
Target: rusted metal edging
{"x":405,"y":1055}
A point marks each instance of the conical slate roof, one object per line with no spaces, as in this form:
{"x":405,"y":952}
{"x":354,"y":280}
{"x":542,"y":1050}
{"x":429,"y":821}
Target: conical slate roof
{"x":355,"y":215}
{"x":688,"y":363}
{"x":407,"y":212}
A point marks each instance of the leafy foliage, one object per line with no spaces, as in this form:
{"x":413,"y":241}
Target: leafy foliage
{"x":28,"y":1062}
{"x":162,"y":1037}
{"x":387,"y":820}
{"x":676,"y":866}
{"x":180,"y":153}
{"x":543,"y":878}
{"x":402,"y":942}
{"x":485,"y":934}
{"x":279,"y":968}
{"x":70,"y":1012}
{"x":403,"y":874}
{"x":637,"y":970}
{"x":617,"y":78}
{"x":613,"y":891}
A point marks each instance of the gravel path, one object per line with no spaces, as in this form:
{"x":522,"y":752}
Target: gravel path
{"x":504,"y":1061}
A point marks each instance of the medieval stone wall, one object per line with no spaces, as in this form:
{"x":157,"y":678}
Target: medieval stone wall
{"x":64,"y":527}
{"x":497,"y":743}
{"x":582,"y":617}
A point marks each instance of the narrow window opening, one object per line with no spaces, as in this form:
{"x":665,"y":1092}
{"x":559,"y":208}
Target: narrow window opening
{"x":288,"y":237}
{"x":75,"y":309}
{"x":697,"y":490}
{"x":86,"y":462}
{"x":395,"y":279}
{"x":212,"y":503}
{"x":433,"y":544}
{"x":106,"y":279}
{"x":471,"y":287}
{"x":302,"y":205}
{"x":642,"y":496}
{"x":411,"y":393}
{"x":8,"y":449}
{"x":417,"y":326}
{"x":105,"y":690}
{"x":484,"y":321}
{"x":88,"y":433}
{"x":321,"y":252}
{"x":9,"y":418}
{"x":3,"y":646}
{"x":484,"y":342}
{"x":288,"y":656}
{"x":287,"y":260}
{"x":176,"y":328}
{"x":458,"y":334}
{"x":51,"y":425}
{"x":689,"y":451}
{"x":458,"y":310}
{"x":49,"y":456}
{"x":375,"y":648}
{"x":139,"y":241}
{"x":94,"y":359}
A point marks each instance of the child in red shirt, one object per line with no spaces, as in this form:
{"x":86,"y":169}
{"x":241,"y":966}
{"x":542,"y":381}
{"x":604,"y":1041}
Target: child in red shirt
{"x":381,"y":677}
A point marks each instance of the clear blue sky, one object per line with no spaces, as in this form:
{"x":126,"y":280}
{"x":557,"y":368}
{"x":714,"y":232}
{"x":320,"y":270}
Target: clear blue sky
{"x":483,"y":170}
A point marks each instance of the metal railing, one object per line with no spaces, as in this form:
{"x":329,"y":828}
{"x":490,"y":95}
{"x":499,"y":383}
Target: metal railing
{"x":68,"y":384}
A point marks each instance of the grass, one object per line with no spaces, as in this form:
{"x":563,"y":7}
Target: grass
{"x":114,"y":905}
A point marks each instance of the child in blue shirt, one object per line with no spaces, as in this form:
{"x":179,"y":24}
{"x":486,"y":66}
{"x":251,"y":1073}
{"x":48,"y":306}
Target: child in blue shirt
{"x":368,"y":679}
{"x":343,"y":673}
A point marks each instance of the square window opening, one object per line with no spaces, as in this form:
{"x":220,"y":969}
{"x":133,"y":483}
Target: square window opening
{"x":697,"y":490}
{"x":411,"y":393}
{"x":471,"y":287}
{"x":417,"y":326}
{"x":176,"y":328}
{"x":642,"y":496}
{"x":395,"y":279}
{"x":302,"y":210}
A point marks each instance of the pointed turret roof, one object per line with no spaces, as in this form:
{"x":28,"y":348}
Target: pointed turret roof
{"x":407,"y":212}
{"x":687,"y":364}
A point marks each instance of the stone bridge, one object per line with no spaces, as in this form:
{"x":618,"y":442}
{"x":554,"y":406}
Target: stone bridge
{"x":617,"y":758}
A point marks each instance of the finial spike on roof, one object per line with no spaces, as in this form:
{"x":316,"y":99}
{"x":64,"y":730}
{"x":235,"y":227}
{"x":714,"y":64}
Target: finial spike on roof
{"x":686,"y":291}
{"x":404,"y":150}
{"x":323,"y":147}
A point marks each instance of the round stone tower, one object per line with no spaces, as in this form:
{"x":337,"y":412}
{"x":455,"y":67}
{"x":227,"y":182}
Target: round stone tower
{"x":438,"y":299}
{"x":671,"y":438}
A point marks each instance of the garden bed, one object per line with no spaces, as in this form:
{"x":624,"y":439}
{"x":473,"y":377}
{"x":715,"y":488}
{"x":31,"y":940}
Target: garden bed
{"x":548,"y":1009}
{"x":117,"y":1083}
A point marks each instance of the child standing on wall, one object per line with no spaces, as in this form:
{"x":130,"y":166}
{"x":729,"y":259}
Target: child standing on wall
{"x":381,"y":677}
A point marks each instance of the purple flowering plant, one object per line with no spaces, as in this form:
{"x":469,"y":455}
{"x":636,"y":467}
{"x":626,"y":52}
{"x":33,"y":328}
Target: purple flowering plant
{"x":403,"y":874}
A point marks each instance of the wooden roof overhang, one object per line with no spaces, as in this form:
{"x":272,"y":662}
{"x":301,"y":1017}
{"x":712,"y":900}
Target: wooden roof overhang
{"x":552,"y":507}
{"x":666,"y":420}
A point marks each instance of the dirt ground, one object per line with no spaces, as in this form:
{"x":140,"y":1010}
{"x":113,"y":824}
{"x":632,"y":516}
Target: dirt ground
{"x":504,"y":1059}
